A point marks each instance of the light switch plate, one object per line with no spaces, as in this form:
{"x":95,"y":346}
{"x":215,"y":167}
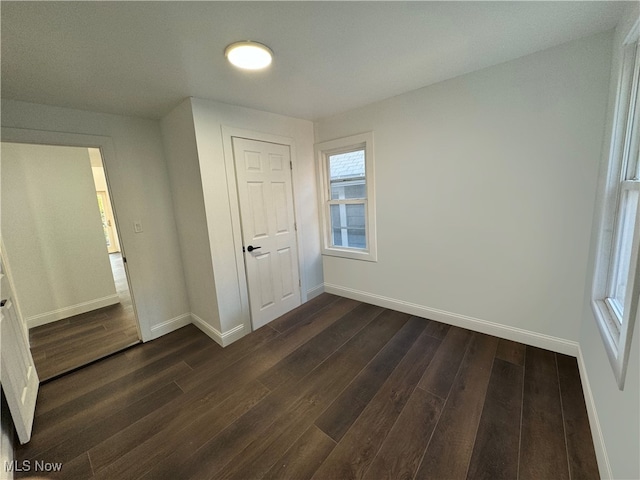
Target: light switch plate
{"x":137,"y":226}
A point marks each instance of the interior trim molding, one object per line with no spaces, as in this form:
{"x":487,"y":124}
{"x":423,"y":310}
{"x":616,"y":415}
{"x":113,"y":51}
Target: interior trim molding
{"x":170,"y":325}
{"x":70,"y":311}
{"x":221,"y":338}
{"x":315,"y":291}
{"x":596,"y":431}
{"x":520,"y":335}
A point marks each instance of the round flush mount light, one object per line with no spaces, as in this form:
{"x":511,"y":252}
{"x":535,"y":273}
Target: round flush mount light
{"x":249,"y":55}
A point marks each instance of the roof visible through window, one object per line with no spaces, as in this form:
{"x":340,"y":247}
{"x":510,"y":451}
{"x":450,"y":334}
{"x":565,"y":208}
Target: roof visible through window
{"x":345,"y":166}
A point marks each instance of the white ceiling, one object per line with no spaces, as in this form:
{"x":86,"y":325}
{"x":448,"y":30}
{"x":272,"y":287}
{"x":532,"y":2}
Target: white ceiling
{"x":143,"y":58}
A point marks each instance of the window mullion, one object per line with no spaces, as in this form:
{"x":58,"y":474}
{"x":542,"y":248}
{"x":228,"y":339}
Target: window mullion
{"x":344,"y":233}
{"x":348,"y":201}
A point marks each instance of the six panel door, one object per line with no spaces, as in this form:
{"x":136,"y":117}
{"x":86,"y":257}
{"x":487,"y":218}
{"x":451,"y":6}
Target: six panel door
{"x":265,"y":194}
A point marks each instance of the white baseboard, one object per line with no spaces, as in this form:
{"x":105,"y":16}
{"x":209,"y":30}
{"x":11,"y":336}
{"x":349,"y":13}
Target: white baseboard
{"x":315,"y":291}
{"x":221,"y":338}
{"x":170,"y":325}
{"x":70,"y":311}
{"x":596,"y":431}
{"x":527,"y":337}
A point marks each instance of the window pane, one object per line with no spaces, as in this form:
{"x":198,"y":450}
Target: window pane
{"x":350,"y":191}
{"x":347,"y":175}
{"x":348,"y":225}
{"x":628,"y":207}
{"x":633,"y":160}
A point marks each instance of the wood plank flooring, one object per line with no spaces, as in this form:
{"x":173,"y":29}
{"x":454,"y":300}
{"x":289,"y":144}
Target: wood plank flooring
{"x":335,"y":389}
{"x":67,"y":344}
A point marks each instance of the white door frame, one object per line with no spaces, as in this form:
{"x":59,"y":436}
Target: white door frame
{"x":227,"y":134}
{"x":108,"y":152}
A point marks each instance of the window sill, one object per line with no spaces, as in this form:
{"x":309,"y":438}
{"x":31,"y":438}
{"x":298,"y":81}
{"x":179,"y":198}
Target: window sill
{"x":352,"y":254}
{"x":610,"y":331}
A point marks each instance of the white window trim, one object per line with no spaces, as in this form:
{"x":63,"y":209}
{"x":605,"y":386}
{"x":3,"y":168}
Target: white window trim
{"x":617,"y":334}
{"x":323,"y":150}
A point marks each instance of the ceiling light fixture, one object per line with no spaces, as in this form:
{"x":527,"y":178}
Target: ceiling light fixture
{"x":249,"y":55}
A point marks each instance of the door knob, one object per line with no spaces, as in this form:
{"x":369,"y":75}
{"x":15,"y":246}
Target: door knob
{"x":251,"y":248}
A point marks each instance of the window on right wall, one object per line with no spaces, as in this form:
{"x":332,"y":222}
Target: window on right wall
{"x":616,"y":291}
{"x":347,"y":199}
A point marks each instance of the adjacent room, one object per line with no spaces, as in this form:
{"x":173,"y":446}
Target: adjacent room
{"x":67,"y":263}
{"x":404,"y":244}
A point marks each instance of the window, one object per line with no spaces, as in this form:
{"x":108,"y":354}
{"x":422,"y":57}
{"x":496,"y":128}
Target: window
{"x":347,"y":198}
{"x":616,"y":290}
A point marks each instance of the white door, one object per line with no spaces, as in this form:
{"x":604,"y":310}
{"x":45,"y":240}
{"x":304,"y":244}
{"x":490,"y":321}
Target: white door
{"x":18,"y":373}
{"x":268,"y":228}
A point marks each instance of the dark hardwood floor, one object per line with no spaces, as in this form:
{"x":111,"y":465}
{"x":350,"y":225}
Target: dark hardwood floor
{"x":62,"y":346}
{"x":335,"y":389}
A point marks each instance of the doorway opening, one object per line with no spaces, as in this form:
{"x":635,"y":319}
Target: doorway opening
{"x":69,"y":268}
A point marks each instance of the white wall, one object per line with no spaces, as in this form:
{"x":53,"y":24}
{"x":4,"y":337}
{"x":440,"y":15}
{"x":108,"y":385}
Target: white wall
{"x":186,"y":186}
{"x":52,"y":232}
{"x":485,"y":191}
{"x":213,"y":208}
{"x":140,"y":191}
{"x":615,"y":416}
